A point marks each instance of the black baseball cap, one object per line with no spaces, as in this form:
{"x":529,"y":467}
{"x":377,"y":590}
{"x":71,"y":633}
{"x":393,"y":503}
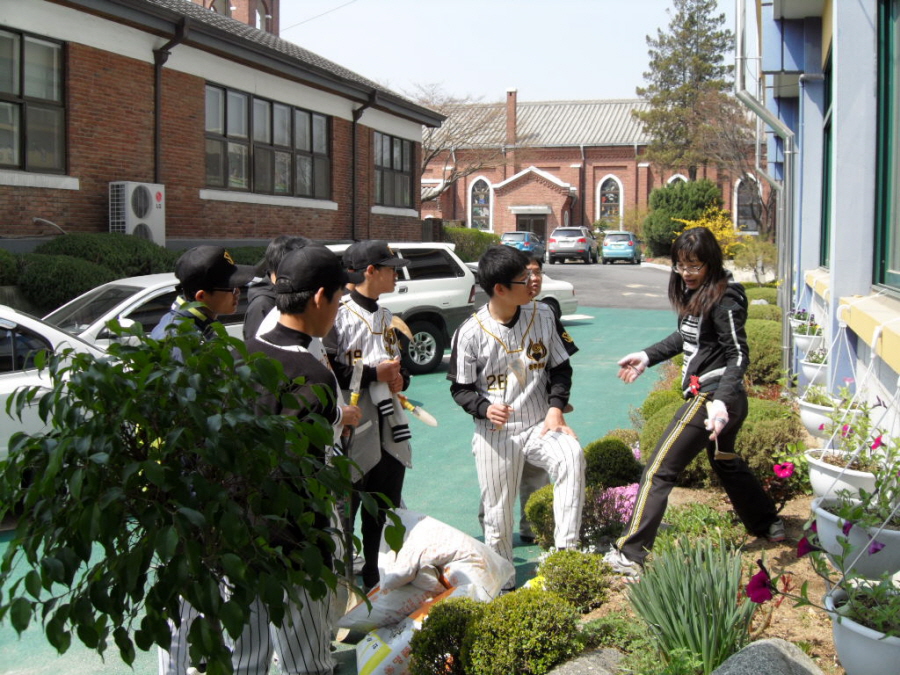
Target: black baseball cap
{"x":211,"y":267}
{"x":371,"y":252}
{"x":311,"y":268}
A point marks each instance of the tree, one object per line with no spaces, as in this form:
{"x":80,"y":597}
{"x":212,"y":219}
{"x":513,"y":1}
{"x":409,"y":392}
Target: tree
{"x":154,"y":480}
{"x":671,"y":206}
{"x":467,"y":142}
{"x":687,"y":64}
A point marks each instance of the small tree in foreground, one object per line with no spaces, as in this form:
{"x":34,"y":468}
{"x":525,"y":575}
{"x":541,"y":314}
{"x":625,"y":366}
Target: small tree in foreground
{"x":155,"y":480}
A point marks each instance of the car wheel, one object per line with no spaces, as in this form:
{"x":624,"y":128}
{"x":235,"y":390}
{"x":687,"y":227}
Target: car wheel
{"x":587,"y":257}
{"x":604,"y":261}
{"x":551,"y":259}
{"x":426,"y":348}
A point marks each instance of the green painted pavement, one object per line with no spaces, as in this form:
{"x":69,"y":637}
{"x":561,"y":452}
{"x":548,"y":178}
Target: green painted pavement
{"x":442,"y":482}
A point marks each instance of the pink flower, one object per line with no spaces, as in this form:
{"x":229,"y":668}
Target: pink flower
{"x":822,"y":426}
{"x":760,"y":587}
{"x":846,"y":430}
{"x":877,"y":443}
{"x":848,"y":381}
{"x":814,"y":526}
{"x":846,"y":527}
{"x":875,"y":546}
{"x":803,"y":547}
{"x":784,"y":470}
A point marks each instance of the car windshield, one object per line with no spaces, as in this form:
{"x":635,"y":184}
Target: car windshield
{"x":612,"y":238}
{"x":568,"y":233}
{"x":513,"y":236}
{"x":85,"y":310}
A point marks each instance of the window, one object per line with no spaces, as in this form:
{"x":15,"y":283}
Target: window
{"x":887,"y":267}
{"x":257,"y":145}
{"x":393,"y":171}
{"x":481,"y":205}
{"x":610,"y":199}
{"x":32,"y":112}
{"x":18,"y":347}
{"x":749,"y":206}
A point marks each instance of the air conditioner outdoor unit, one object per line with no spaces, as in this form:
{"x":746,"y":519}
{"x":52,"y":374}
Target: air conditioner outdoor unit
{"x":138,"y":209}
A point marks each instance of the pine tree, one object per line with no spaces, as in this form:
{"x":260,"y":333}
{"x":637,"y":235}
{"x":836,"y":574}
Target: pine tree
{"x":687,"y":67}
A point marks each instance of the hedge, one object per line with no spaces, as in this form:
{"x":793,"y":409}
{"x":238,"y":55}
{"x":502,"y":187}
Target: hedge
{"x":125,"y":255}
{"x":48,"y":281}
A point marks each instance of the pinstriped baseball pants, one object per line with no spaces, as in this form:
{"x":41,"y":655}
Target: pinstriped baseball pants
{"x":499,"y":457}
{"x":684,"y":438}
{"x":303,"y":642}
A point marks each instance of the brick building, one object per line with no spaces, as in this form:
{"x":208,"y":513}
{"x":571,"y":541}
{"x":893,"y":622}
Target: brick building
{"x":249,"y":135}
{"x":551,"y":164}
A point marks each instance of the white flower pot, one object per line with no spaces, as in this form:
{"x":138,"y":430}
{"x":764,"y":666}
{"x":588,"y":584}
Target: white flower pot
{"x":814,"y":416}
{"x":815,"y":373}
{"x":806,"y":342}
{"x":869,"y":565}
{"x":827,"y":479}
{"x":861,"y":650}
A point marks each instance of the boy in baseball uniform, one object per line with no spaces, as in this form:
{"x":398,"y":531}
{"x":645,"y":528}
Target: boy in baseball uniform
{"x":363,"y":332}
{"x":510,"y":370}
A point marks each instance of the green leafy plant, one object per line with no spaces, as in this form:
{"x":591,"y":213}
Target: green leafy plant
{"x":8,"y":268}
{"x":689,"y":597}
{"x":166,"y":469}
{"x":816,"y":394}
{"x":764,"y":342}
{"x":696,"y":521}
{"x":470,"y":243}
{"x":808,"y":329}
{"x":48,"y":281}
{"x":582,"y":579}
{"x":609,"y":462}
{"x":435,"y":649}
{"x":529,"y":631}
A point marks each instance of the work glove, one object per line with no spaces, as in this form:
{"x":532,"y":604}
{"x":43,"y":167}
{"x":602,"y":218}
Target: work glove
{"x":717,"y":417}
{"x":632,"y":365}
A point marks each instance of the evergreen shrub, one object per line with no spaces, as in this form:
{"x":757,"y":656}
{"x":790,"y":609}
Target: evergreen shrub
{"x":764,"y":312}
{"x":582,"y":579}
{"x":628,"y":436}
{"x":48,"y":281}
{"x":470,"y":244}
{"x":435,"y":648}
{"x":125,"y":255}
{"x":529,"y":631}
{"x":764,"y":342}
{"x":657,"y":399}
{"x":9,"y":268}
{"x":766,"y":293}
{"x":610,"y":463}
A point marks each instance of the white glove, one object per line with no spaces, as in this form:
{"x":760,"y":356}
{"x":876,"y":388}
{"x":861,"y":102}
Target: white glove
{"x":716,"y":416}
{"x":632,"y":365}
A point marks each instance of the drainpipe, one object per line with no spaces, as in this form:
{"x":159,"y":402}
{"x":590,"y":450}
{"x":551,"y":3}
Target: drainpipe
{"x":357,"y":113}
{"x":784,"y":217}
{"x":581,"y":182}
{"x":160,"y":56}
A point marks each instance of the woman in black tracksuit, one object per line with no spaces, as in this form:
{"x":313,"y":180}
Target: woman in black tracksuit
{"x":712,"y":309}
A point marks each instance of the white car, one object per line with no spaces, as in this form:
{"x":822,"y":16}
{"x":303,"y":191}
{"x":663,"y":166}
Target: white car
{"x":142,"y":300}
{"x":558,"y":294}
{"x":434,"y":295}
{"x":21,"y":337}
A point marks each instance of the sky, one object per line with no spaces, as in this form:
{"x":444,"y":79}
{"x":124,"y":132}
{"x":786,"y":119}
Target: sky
{"x":546,"y":49}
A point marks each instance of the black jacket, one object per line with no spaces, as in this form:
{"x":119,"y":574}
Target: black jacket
{"x":715,"y":349}
{"x":260,"y":301}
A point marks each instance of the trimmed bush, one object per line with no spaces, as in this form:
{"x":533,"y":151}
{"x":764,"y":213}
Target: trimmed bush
{"x":764,"y":312}
{"x":764,"y":342}
{"x":657,"y":399}
{"x":529,"y":631}
{"x":628,"y":436}
{"x":539,"y":512}
{"x":126,"y":256}
{"x":655,"y":426}
{"x":435,"y":648}
{"x":766,"y":293}
{"x":470,"y":244}
{"x":247,"y":255}
{"x":48,"y":281}
{"x":9,"y":268}
{"x":610,"y":463}
{"x":582,"y":579}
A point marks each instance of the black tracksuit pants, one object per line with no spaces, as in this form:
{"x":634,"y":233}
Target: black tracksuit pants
{"x":684,"y":438}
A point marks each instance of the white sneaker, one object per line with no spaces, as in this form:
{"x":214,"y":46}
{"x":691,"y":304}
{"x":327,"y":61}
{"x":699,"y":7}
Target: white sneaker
{"x":621,"y":564}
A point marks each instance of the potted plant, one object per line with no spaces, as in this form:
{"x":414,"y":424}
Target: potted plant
{"x":816,"y":408}
{"x":807,"y":336}
{"x":798,"y":316}
{"x":815,"y":365}
{"x":849,"y":461}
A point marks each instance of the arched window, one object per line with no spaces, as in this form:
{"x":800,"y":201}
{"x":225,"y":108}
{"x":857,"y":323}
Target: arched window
{"x":480,"y":217}
{"x":748,"y":214}
{"x":263,"y":16}
{"x":677,"y":177}
{"x":221,"y":7}
{"x":610,"y":200}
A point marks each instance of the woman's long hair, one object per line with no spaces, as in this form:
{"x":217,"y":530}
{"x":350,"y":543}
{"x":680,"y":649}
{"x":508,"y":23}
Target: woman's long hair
{"x":699,"y":243}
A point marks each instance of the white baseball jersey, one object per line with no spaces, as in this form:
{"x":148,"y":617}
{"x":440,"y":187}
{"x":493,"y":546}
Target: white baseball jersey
{"x":365,"y":335}
{"x":483,"y":350}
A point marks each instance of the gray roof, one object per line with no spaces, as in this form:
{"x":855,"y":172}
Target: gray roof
{"x":236,"y":40}
{"x":552,"y":123}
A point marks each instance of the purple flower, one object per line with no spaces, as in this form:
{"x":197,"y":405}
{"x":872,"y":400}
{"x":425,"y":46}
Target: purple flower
{"x":875,"y":546}
{"x":760,"y":589}
{"x":814,"y":527}
{"x":784,"y":470}
{"x":804,"y":547}
{"x":846,"y":527}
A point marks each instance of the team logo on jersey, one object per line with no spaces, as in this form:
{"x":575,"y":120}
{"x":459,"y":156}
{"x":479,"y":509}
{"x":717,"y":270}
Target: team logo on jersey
{"x":536,"y":350}
{"x":390,"y":341}
{"x":567,"y":337}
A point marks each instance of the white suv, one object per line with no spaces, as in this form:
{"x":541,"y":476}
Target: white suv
{"x":435,"y":293}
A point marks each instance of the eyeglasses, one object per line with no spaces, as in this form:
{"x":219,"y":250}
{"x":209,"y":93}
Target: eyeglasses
{"x":691,"y":270}
{"x":524,"y":282}
{"x":233,"y":291}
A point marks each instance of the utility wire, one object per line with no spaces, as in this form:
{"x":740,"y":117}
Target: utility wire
{"x":312,"y":18}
